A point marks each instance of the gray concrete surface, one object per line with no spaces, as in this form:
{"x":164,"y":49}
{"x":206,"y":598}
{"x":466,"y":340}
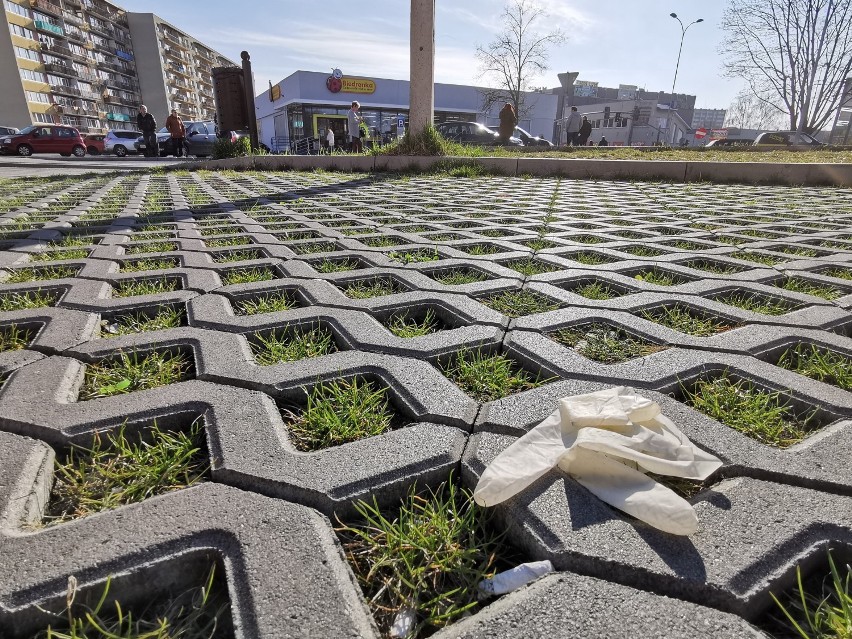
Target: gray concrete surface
{"x":264,"y":515}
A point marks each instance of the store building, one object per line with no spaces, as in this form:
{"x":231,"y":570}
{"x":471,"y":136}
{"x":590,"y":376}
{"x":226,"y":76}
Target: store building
{"x":306,"y":103}
{"x":90,"y":64}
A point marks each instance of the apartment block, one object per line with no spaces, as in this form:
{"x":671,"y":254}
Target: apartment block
{"x":708,"y":118}
{"x":175,"y":69}
{"x":90,"y":64}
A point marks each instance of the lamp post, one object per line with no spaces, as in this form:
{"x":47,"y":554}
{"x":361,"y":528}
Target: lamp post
{"x":683,"y":30}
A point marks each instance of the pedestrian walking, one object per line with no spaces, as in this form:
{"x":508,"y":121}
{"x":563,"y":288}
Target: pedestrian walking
{"x":585,"y":132}
{"x":572,"y":127}
{"x":175,"y":126}
{"x":508,"y":122}
{"x":148,"y":125}
{"x":329,"y":138}
{"x":354,"y":119}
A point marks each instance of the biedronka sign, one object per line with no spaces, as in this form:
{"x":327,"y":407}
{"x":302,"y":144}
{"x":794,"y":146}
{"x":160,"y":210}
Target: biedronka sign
{"x":350,"y":85}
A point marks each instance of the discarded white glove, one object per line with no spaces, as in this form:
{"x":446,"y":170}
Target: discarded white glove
{"x":605,"y":440}
{"x":512,"y":579}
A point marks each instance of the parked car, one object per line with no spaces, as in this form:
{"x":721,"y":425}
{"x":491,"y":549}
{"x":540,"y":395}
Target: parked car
{"x":527,"y":138}
{"x":120,"y":143}
{"x":728,"y":142}
{"x":45,"y":138}
{"x":787,"y":139}
{"x":8,"y":130}
{"x":472,"y":133}
{"x":200,"y":137}
{"x":94,"y":143}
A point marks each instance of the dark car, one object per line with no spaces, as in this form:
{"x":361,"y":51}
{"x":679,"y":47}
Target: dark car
{"x":787,"y":139}
{"x":526,"y":137}
{"x":44,"y":138}
{"x":472,"y":133}
{"x":729,"y":142}
{"x":200,"y":137}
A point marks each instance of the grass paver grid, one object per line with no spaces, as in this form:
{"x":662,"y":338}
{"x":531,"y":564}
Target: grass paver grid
{"x":583,"y":228}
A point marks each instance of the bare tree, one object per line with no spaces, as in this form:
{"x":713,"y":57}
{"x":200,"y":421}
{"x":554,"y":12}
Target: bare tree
{"x":794,"y":54}
{"x":517,"y":56}
{"x":749,"y":111}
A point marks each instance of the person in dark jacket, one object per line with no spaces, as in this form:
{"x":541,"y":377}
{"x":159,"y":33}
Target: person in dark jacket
{"x":585,"y":131}
{"x":508,"y":122}
{"x":603,"y":142}
{"x":148,"y":125}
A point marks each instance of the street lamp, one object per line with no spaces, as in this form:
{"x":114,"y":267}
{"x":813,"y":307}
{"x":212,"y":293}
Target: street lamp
{"x":683,"y":30}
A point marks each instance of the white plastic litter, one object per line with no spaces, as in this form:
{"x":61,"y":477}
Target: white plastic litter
{"x":510,"y":580}
{"x":606,"y":441}
{"x":403,"y":623}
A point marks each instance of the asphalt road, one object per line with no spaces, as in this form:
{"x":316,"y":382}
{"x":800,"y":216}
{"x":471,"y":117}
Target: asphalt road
{"x":13,"y":166}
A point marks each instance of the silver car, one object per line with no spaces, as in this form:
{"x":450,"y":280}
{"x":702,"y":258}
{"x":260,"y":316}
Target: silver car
{"x":120,"y":142}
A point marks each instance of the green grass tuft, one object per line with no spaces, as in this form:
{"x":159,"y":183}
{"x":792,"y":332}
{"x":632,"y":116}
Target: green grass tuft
{"x":740,"y":405}
{"x":71,"y":254}
{"x":818,"y":610}
{"x":659,"y":278}
{"x":429,"y":556}
{"x":529,"y":266}
{"x":401,"y":325}
{"x":520,"y":303}
{"x":291,"y":346}
{"x":246,"y":275}
{"x":126,"y":470}
{"x":683,"y":319}
{"x":489,"y":377}
{"x":337,"y":266}
{"x":641,"y":251}
{"x":757,"y":303}
{"x":268,"y":303}
{"x":130,"y":372}
{"x":458,"y":276}
{"x":198,"y":613}
{"x":376,"y":287}
{"x":131,"y":288}
{"x":18,"y":276}
{"x":419,"y":255}
{"x":153,"y":264}
{"x":597,"y":291}
{"x":760,"y":258}
{"x":604,"y":343}
{"x":819,"y":364}
{"x":151,"y":247}
{"x":166,"y":317}
{"x":801,"y":285}
{"x":14,"y":338}
{"x":26,"y":300}
{"x":339,"y":412}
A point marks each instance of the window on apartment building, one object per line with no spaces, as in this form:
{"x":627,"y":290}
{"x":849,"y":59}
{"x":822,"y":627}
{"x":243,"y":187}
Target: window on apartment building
{"x":16,"y":8}
{"x":21,"y":31}
{"x":27,"y":54}
{"x":43,"y":118}
{"x":78,"y":50}
{"x":35,"y":96}
{"x":46,"y":40}
{"x":43,"y":17}
{"x":35,"y":76}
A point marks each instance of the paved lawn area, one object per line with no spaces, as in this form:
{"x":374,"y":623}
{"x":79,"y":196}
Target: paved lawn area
{"x":301,"y":342}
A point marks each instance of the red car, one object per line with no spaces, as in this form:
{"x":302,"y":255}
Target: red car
{"x":94,"y":143}
{"x":44,"y":138}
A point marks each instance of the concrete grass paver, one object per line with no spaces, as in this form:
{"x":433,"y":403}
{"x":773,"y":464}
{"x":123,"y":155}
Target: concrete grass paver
{"x":501,"y":263}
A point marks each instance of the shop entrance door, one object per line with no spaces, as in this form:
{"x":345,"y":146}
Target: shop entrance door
{"x":337,"y":123}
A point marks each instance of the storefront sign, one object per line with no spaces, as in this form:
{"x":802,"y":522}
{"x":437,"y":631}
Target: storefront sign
{"x":350,"y":85}
{"x":718,"y":134}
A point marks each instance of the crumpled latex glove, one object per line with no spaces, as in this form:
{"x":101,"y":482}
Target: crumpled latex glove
{"x":605,"y":440}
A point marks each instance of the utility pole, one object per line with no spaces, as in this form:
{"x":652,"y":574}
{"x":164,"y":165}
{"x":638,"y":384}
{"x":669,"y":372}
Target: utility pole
{"x":683,"y":30}
{"x":422,"y":78}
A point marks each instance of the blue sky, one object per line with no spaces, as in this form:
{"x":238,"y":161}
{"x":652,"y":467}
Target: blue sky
{"x":610,"y":41}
